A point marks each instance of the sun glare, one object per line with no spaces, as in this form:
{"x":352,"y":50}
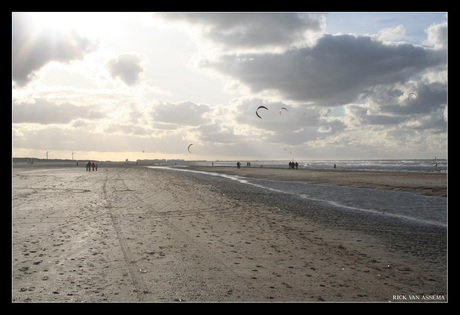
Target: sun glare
{"x":85,"y":23}
{"x":51,"y":21}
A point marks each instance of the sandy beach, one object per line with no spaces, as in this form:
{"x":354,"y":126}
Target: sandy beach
{"x":133,"y":234}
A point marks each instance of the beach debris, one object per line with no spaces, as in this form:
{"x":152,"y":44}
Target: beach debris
{"x":188,"y":149}
{"x":260,"y":108}
{"x":282,"y":109}
{"x":412,"y":93}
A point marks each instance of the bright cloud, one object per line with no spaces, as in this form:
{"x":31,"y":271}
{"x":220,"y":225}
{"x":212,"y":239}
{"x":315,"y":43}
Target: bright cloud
{"x":34,"y":47}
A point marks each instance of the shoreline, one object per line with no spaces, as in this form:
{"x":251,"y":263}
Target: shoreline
{"x":430,"y":184}
{"x":398,"y":235}
{"x":132,"y":234}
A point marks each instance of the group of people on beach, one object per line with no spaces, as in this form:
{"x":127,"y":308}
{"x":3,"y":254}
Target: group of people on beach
{"x":292,"y":165}
{"x":90,"y":165}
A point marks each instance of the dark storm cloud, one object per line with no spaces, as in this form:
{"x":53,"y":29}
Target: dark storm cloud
{"x":32,"y":49}
{"x":45,"y":112}
{"x":251,"y":30}
{"x":127,"y":67}
{"x":333,"y":72}
{"x":389,"y":105}
{"x":429,"y":97}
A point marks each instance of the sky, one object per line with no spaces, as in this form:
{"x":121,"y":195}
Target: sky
{"x":116,"y":86}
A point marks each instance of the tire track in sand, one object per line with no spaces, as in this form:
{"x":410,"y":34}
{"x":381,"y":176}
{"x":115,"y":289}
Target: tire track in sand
{"x":138,"y":283}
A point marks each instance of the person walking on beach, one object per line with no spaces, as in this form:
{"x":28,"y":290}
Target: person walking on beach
{"x":96,"y":167}
{"x":88,"y":166}
{"x":238,"y":164}
{"x":93,"y":166}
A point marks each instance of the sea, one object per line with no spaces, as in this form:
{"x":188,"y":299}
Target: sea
{"x":399,"y":206}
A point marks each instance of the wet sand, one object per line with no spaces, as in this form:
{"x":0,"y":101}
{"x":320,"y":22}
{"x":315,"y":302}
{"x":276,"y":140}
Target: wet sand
{"x":431,"y":184}
{"x":131,"y":234}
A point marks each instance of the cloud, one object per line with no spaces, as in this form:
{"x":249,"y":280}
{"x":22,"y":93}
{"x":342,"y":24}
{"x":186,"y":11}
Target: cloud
{"x":58,"y":137}
{"x":333,"y":72}
{"x":32,"y":49}
{"x":218,"y":133}
{"x":292,"y":119}
{"x":127,"y":67}
{"x":183,"y":113}
{"x":127,"y":129}
{"x":297,"y":125}
{"x":437,"y":36}
{"x":46,"y":112}
{"x":392,"y":33}
{"x":429,"y":97}
{"x":367,"y":117}
{"x":388,"y":106}
{"x":236,"y":31}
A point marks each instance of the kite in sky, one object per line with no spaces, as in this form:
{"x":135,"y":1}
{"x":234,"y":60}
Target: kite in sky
{"x":260,"y":108}
{"x":412,"y":93}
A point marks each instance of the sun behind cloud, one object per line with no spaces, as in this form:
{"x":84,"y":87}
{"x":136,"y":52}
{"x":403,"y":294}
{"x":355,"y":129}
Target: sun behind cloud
{"x":84,"y":23}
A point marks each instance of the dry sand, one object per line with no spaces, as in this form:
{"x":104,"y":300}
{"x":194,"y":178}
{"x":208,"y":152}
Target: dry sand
{"x":131,"y":234}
